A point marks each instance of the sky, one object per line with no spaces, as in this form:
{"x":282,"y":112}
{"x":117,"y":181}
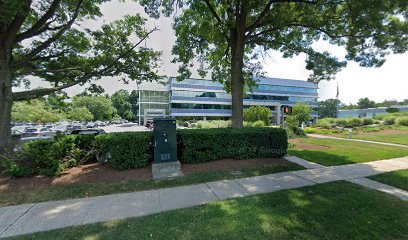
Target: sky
{"x":389,"y":82}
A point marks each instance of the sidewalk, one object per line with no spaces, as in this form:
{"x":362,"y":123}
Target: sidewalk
{"x":357,"y":140}
{"x":30,"y":218}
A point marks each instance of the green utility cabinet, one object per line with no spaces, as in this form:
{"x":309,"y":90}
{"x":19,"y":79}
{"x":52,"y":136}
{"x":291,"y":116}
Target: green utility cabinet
{"x":165,"y":140}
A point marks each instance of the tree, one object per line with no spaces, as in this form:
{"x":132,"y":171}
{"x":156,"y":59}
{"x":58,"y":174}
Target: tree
{"x":120,"y":100}
{"x":228,"y":37}
{"x":45,"y":39}
{"x":100,"y":107}
{"x":133,"y":99}
{"x":302,"y":112}
{"x":80,"y":114}
{"x":328,"y":108}
{"x":256,"y":113}
{"x":34,"y":111}
{"x":365,"y":103}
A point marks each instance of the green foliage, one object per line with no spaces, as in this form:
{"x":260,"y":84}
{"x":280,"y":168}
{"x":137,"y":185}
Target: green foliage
{"x":34,"y":111}
{"x":323,"y":124}
{"x":328,"y":108}
{"x":301,"y":112}
{"x":389,"y":120}
{"x":80,"y":114}
{"x":122,"y":102}
{"x":226,"y":143}
{"x":365,"y":103}
{"x":126,"y":150}
{"x":353,"y":122}
{"x":392,"y":110}
{"x":256,"y":113}
{"x":367,"y":121}
{"x":403,"y":121}
{"x":258,"y":123}
{"x":51,"y":157}
{"x":341,"y":122}
{"x":213,"y":124}
{"x":310,"y":130}
{"x":100,"y":107}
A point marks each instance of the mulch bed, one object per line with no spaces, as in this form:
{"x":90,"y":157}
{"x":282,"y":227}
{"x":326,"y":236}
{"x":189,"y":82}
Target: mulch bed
{"x":96,"y":173}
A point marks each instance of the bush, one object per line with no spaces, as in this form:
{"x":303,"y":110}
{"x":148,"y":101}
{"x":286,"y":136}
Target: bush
{"x":310,"y":130}
{"x":226,"y":143}
{"x":353,"y":122}
{"x":389,"y":120}
{"x":403,"y":121}
{"x":323,"y":124}
{"x":256,"y":113}
{"x":259,"y":123}
{"x":126,"y":150}
{"x":341,"y":122}
{"x":367,"y":121}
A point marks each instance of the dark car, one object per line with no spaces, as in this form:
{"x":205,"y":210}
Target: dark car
{"x":149,"y":124}
{"x":90,"y":131}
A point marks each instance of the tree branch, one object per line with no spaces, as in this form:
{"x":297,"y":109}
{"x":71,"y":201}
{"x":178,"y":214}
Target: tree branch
{"x":219,"y":21}
{"x":55,"y":37}
{"x":37,"y":28}
{"x":35,"y":93}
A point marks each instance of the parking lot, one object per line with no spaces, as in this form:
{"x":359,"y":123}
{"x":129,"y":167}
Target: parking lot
{"x":127,"y":127}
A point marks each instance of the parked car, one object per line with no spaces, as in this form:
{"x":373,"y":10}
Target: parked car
{"x":37,"y":132}
{"x":149,"y":124}
{"x":90,"y":125}
{"x":94,"y":131}
{"x":60,"y":129}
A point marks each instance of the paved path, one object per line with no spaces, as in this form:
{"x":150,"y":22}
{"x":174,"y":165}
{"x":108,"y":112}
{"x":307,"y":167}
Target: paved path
{"x":30,"y":218}
{"x":357,"y":140}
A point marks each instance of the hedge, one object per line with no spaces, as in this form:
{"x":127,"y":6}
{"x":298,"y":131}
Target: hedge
{"x":204,"y":145}
{"x":126,"y":150}
{"x":50,"y":157}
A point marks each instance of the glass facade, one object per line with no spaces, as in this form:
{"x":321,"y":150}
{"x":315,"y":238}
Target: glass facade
{"x":199,"y":106}
{"x":286,"y":89}
{"x":310,"y":100}
{"x":198,"y":82}
{"x":144,"y":106}
{"x":179,"y":93}
{"x":154,"y":96}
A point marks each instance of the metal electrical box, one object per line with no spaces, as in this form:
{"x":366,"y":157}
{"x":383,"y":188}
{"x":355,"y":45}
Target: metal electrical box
{"x":165,"y":140}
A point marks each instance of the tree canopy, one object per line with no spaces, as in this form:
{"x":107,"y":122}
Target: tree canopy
{"x":47,"y":39}
{"x":228,"y":38}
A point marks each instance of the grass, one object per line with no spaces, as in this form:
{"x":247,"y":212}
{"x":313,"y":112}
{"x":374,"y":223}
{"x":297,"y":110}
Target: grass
{"x":339,"y":152}
{"x":96,"y":189}
{"x":397,"y":179}
{"x":389,"y":138}
{"x":337,"y":210}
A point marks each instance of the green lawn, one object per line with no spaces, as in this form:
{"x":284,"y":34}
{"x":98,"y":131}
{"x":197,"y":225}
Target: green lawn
{"x":337,"y":210}
{"x":389,"y":138}
{"x":397,"y":179}
{"x":338,"y":152}
{"x":104,"y":188}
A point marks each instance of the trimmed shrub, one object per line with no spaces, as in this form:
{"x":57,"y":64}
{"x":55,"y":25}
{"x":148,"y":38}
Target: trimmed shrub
{"x":403,"y":121}
{"x":389,"y":120}
{"x":226,"y":143}
{"x":341,"y":122}
{"x":310,"y":130}
{"x":368,"y":121}
{"x":259,"y":123}
{"x":126,"y":150}
{"x":323,"y":124}
{"x":256,"y":113}
{"x":353,"y":122}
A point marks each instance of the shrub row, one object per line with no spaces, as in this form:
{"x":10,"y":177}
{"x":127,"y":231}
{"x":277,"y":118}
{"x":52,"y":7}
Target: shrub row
{"x":135,"y":149}
{"x":244,"y":143}
{"x":50,"y":157}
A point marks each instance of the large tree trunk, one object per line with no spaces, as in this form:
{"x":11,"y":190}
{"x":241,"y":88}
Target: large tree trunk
{"x":237,"y":85}
{"x":6,"y":98}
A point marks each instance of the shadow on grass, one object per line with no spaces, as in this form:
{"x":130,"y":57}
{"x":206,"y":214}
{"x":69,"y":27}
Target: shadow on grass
{"x":320,"y":157}
{"x":337,"y":210}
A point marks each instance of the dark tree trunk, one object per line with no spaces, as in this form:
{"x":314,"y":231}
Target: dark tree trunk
{"x":237,"y":65}
{"x":6,"y":98}
{"x":237,"y":84}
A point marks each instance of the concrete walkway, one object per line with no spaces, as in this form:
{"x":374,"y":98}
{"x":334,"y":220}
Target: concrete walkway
{"x":357,"y":140}
{"x":30,"y":218}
